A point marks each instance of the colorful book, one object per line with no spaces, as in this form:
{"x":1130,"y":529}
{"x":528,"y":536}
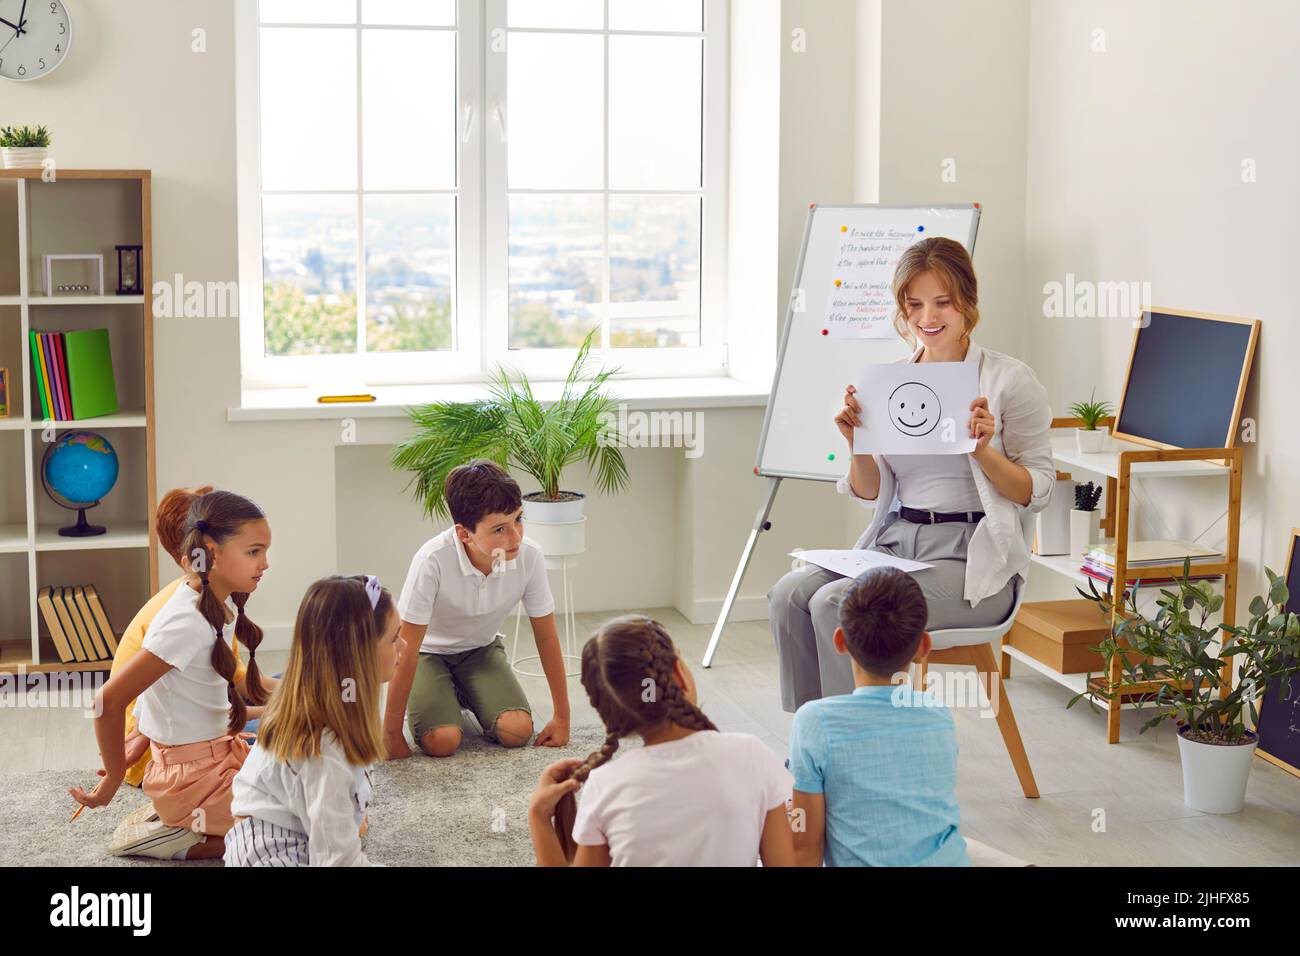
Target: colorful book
{"x":61,"y":357}
{"x":38,"y":375}
{"x":88,"y":360}
{"x":46,"y":604}
{"x":92,"y":628}
{"x":56,"y":384}
{"x":97,"y":610}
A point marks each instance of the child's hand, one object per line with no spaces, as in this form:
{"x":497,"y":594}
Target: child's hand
{"x":396,"y":745}
{"x":136,"y":747}
{"x":101,"y":796}
{"x":554,"y":734}
{"x":554,"y":783}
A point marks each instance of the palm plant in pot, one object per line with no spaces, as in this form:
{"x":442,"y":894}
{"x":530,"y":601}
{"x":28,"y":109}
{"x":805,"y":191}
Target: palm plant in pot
{"x":1088,"y":437}
{"x":23,"y":147}
{"x":516,"y":429}
{"x":1176,"y":651}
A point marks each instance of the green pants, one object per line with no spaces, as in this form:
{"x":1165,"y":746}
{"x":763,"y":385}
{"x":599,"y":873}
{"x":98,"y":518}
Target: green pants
{"x":481,"y":680}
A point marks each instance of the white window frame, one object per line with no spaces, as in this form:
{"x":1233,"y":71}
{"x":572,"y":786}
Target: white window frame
{"x":481,"y":318}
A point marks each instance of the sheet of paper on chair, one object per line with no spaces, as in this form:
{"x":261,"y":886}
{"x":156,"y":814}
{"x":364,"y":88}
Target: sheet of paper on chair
{"x":853,"y":561}
{"x":916,"y":408}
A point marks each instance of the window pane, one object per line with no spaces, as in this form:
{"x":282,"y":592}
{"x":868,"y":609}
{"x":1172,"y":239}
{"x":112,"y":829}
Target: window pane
{"x":673,"y":15}
{"x":308,"y":86}
{"x":555,"y":91}
{"x":408,"y":109}
{"x":309,"y":263}
{"x":308,"y":11}
{"x":571,"y":14}
{"x":424,"y":13}
{"x":410,"y":270}
{"x":656,"y":95}
{"x":556,"y":247}
{"x":654,"y":271}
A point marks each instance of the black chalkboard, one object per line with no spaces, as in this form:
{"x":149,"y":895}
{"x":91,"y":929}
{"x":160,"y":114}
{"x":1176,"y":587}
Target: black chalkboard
{"x":1184,"y":379}
{"x":1279,"y":717}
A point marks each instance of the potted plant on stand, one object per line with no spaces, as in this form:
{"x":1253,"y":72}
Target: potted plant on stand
{"x":1175,"y":651}
{"x":1085,"y":519}
{"x":24,"y":147}
{"x":516,"y":429}
{"x":1089,"y":438}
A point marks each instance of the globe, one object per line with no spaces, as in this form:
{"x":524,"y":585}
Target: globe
{"x":77,"y":471}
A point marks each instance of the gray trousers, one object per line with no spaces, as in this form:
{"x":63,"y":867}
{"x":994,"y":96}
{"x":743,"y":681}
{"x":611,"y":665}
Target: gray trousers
{"x":804,"y":606}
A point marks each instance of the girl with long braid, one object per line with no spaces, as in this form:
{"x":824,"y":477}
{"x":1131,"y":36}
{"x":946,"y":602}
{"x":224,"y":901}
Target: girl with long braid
{"x":190,"y":700}
{"x":692,"y":796}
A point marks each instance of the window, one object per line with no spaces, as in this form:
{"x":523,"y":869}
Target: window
{"x":429,"y":187}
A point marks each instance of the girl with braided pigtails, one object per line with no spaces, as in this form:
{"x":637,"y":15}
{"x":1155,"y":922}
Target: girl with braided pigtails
{"x":692,"y":796}
{"x":190,"y":698}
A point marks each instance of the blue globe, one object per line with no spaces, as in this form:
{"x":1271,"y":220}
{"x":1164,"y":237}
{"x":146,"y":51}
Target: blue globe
{"x":79,"y":469}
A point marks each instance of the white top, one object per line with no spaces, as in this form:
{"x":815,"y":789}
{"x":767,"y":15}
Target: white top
{"x":1022,"y":432}
{"x":464,"y":607}
{"x":189,"y":703}
{"x":324,"y":798}
{"x":698,"y":801}
{"x":935,"y":482}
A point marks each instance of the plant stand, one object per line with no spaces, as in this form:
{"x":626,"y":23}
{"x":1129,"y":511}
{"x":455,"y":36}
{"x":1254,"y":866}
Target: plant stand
{"x":563,"y":543}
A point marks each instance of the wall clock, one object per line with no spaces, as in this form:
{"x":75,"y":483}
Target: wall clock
{"x":34,"y":38}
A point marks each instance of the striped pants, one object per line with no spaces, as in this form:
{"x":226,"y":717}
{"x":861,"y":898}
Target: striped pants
{"x":254,"y":842}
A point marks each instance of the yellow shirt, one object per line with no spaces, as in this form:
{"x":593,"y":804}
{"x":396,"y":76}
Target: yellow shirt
{"x":129,"y":645}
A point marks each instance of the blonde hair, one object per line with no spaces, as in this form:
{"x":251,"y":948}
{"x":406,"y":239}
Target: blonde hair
{"x":332,"y":679}
{"x":951,"y":264}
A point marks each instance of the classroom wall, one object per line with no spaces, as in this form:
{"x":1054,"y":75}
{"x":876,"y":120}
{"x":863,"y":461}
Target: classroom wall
{"x":1135,"y":154}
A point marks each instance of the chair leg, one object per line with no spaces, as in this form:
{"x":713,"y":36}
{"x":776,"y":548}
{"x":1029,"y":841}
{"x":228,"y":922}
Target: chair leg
{"x":987,"y":665}
{"x":1006,"y":659}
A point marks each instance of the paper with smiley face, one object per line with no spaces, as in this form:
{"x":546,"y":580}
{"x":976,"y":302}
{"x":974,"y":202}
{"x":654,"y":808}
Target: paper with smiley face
{"x":916,"y":408}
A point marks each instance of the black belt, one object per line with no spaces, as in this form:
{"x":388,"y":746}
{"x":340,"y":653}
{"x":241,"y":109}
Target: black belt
{"x":919,"y":516}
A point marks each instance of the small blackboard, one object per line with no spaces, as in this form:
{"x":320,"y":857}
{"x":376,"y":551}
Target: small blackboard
{"x":1279,"y":717}
{"x":1186,"y":379}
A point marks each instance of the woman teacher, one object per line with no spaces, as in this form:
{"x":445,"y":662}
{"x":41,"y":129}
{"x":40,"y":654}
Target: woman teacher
{"x":960,"y":513}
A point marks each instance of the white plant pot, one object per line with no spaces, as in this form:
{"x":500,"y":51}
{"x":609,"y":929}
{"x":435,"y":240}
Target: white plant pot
{"x":558,"y":539}
{"x":1090,"y":441}
{"x":24,"y":157}
{"x":554,"y":512}
{"x":1085,"y":527}
{"x":1215,"y":775}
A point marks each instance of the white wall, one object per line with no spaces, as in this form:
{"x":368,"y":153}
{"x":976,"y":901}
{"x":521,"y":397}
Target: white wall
{"x":1135,"y":174}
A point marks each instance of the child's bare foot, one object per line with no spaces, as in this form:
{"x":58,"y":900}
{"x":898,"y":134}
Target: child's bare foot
{"x":212,"y":847}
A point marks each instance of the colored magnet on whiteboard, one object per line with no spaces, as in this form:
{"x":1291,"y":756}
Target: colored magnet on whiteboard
{"x":756,"y":469}
{"x":844,"y":228}
{"x":838,"y":283}
{"x":920,"y":228}
{"x":812,"y":205}
{"x":977,"y":205}
{"x":831,"y":456}
{"x":826,"y":331}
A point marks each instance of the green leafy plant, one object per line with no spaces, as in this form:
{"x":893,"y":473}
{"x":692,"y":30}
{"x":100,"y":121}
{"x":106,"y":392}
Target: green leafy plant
{"x":1091,"y":411}
{"x":514,"y":428}
{"x":1086,"y":496}
{"x":20,"y":136}
{"x":1176,"y":650}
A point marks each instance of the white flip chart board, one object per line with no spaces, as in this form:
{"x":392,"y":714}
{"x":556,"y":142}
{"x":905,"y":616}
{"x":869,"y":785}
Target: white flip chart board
{"x":839,"y":320}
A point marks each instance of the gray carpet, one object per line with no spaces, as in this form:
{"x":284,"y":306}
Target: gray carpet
{"x":467,"y":810}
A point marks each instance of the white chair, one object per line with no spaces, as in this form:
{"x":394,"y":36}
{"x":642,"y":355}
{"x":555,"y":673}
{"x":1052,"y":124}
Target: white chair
{"x":972,"y":645}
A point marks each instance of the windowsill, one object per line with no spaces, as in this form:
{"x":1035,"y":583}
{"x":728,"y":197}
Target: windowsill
{"x":392,"y":401}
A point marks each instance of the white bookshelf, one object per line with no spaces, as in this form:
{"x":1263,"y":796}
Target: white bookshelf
{"x":84,"y":211}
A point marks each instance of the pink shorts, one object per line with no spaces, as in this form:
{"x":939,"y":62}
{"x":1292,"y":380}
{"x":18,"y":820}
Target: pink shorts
{"x":189,"y":784}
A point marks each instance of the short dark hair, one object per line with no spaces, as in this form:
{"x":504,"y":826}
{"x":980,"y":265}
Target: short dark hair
{"x":883,"y":614}
{"x":480,"y":488}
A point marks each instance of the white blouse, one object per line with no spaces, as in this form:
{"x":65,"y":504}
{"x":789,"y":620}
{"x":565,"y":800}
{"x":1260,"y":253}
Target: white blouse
{"x":1023,"y":420}
{"x":324,"y":798}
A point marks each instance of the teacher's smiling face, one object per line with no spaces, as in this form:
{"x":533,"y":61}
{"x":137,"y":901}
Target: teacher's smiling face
{"x":934,"y":319}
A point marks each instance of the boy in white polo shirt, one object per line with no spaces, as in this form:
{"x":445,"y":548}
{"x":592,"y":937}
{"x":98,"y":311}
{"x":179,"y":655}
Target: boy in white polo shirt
{"x":459,"y":590}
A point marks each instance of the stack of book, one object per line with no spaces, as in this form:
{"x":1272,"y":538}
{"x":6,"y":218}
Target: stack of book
{"x":78,"y":625}
{"x":1099,"y":561}
{"x":73,"y":372}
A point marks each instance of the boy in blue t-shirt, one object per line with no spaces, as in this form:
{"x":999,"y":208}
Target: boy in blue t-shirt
{"x":875,"y":771}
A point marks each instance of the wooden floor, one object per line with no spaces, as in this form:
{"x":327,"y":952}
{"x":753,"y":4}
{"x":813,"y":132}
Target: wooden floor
{"x":1100,"y":805}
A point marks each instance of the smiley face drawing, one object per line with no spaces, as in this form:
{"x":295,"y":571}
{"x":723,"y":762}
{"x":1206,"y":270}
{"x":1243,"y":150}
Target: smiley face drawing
{"x":914,"y":409}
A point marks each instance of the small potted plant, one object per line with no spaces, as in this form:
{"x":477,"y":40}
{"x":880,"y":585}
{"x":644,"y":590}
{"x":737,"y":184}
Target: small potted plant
{"x":514,"y":428}
{"x":23,"y":147}
{"x":1089,"y":437}
{"x":1175,"y":650}
{"x":1085,"y":519}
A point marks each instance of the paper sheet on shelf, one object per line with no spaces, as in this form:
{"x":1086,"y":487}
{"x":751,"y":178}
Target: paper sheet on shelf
{"x":853,"y":561}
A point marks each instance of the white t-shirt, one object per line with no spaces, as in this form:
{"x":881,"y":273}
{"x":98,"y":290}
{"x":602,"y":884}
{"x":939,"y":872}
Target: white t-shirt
{"x":698,"y":801}
{"x":464,"y":607}
{"x":936,"y":482}
{"x":188,"y":704}
{"x":324,"y":798}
